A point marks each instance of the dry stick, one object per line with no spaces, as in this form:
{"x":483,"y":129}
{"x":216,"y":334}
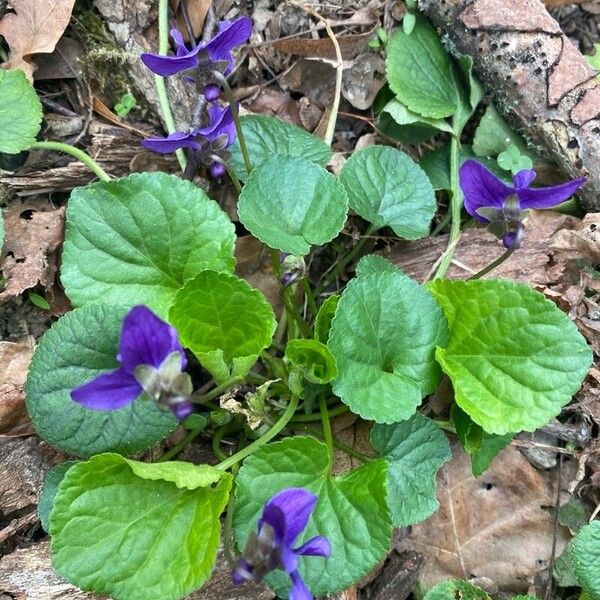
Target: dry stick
{"x":548,"y":593}
{"x":339,"y":68}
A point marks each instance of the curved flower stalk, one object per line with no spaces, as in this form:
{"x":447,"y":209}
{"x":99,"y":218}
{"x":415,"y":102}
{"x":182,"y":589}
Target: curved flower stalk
{"x":490,"y":200}
{"x":284,"y":518}
{"x":152,"y":360}
{"x":209,"y":144}
{"x":201,"y":62}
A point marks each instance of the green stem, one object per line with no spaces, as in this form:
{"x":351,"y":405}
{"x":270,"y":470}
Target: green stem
{"x":310,"y":298}
{"x":216,"y":443}
{"x":267,"y":437}
{"x":80,"y":155}
{"x":492,"y":265}
{"x":228,"y":524}
{"x":313,"y":417}
{"x":326,"y":425}
{"x":455,"y":207}
{"x":159,"y":82}
{"x":216,"y":392}
{"x":234,"y":178}
{"x":236,"y":119}
{"x":175,"y":450}
{"x":290,"y":303}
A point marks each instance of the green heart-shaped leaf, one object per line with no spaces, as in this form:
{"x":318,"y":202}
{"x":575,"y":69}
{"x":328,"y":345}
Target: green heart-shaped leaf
{"x":137,"y":240}
{"x":383,"y":337}
{"x":20,"y":112}
{"x":513,"y":357}
{"x":585,"y":555}
{"x":351,"y":510}
{"x":78,"y":347}
{"x":138,"y":531}
{"x":224,"y":321}
{"x":290,"y":203}
{"x":267,"y":136}
{"x":421,"y":73}
{"x":415,"y":450}
{"x":386,"y":187}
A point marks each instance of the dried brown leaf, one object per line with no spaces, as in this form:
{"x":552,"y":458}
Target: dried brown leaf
{"x":350,"y":46}
{"x":14,"y":358}
{"x":496,"y":526}
{"x":196,"y":11}
{"x":581,"y":242}
{"x":34,"y":232}
{"x":34,"y":28}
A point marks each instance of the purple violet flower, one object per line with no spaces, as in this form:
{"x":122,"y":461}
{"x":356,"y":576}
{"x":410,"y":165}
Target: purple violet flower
{"x":152,"y":360}
{"x":205,"y":57}
{"x":489,"y":199}
{"x":209,"y":143}
{"x":284,"y":518}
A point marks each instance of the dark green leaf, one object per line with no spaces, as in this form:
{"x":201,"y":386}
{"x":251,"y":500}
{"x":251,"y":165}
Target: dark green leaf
{"x":351,"y":510}
{"x":415,"y":450}
{"x":20,"y":112}
{"x":387,"y":188}
{"x":421,"y":73}
{"x":137,"y":240}
{"x":290,"y":203}
{"x":383,"y":337}
{"x":46,"y":500}
{"x":78,"y":347}
{"x":267,"y":136}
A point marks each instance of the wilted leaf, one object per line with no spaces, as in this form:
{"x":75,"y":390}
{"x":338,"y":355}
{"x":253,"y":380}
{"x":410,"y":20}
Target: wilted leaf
{"x":33,"y":234}
{"x":33,"y":28}
{"x":14,"y":358}
{"x":496,"y":526}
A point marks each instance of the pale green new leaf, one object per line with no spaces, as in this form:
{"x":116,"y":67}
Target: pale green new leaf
{"x":513,"y":357}
{"x":456,"y":589}
{"x":136,"y":531}
{"x":224,"y":321}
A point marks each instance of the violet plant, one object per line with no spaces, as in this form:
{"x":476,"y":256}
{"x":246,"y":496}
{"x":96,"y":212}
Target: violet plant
{"x":148,"y":263}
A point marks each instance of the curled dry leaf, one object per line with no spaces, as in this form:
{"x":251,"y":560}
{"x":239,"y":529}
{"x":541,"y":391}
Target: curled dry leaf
{"x":581,"y":242}
{"x":14,"y":358}
{"x":34,"y":28}
{"x":33,"y":234}
{"x":496,"y":526}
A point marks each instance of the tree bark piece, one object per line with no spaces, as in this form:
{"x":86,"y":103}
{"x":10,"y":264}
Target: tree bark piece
{"x":133,"y":23}
{"x":540,"y":81}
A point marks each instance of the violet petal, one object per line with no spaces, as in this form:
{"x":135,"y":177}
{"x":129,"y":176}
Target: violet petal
{"x":317,"y":546}
{"x":481,"y":188}
{"x":177,"y":37}
{"x":171,"y":143}
{"x":108,"y":391}
{"x":221,"y":122}
{"x":288,"y":513}
{"x":146,"y":340}
{"x":299,"y":591}
{"x":548,"y":197}
{"x":524,"y":178}
{"x":230,"y":34}
{"x":169,"y":65}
